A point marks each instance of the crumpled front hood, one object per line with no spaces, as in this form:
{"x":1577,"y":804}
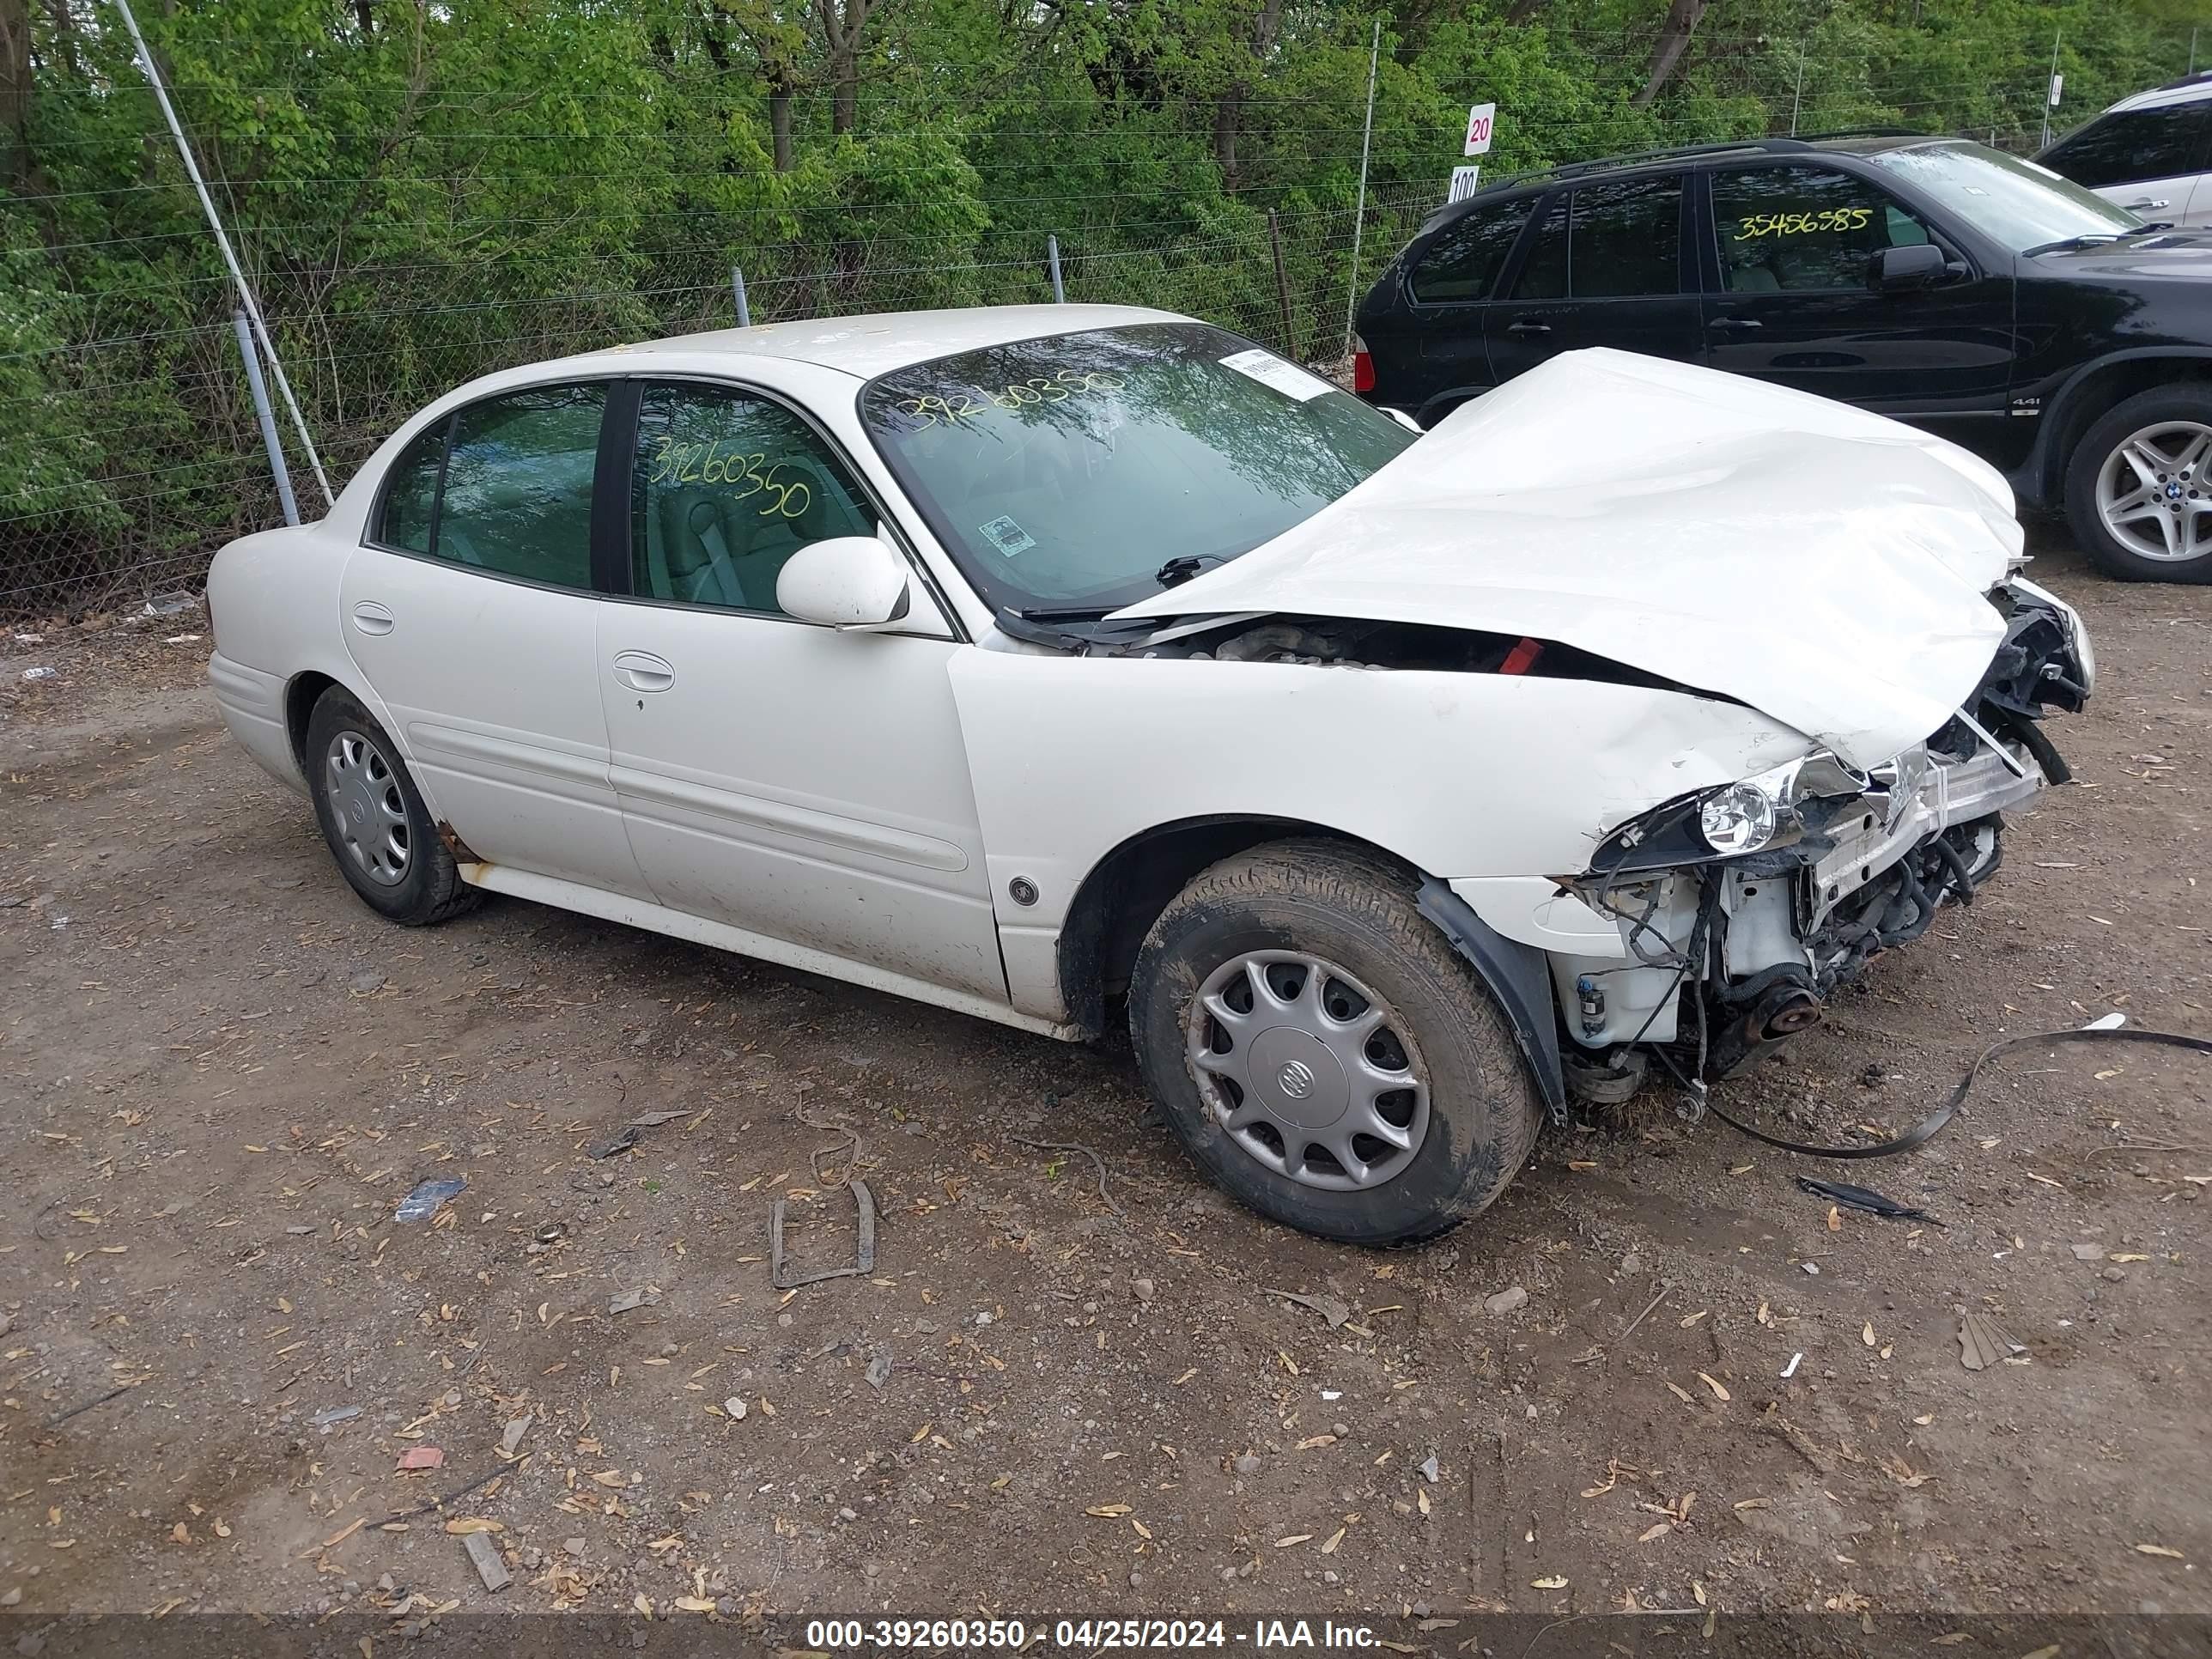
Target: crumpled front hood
{"x":1825,"y":566}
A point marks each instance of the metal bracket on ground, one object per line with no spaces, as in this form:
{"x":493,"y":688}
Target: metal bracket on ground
{"x":863,"y":1263}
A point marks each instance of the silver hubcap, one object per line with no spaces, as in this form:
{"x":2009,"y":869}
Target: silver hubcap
{"x":1308,"y":1070}
{"x":2152,"y":494}
{"x":367,"y":807}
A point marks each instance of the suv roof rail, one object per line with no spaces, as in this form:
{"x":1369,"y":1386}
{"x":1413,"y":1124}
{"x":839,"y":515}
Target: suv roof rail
{"x":2196,"y":79}
{"x":1771,"y":146}
{"x":1869,"y":132}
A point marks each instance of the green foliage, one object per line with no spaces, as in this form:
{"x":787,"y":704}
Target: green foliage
{"x":456,"y":187}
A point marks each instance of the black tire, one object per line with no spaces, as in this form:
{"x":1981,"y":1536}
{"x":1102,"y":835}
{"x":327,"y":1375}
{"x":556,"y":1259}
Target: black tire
{"x":1355,"y":909}
{"x":429,"y":888}
{"x":2187,"y":401}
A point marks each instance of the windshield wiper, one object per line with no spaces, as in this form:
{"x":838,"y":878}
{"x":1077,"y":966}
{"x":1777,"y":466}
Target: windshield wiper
{"x":1183,"y":566}
{"x":1053,"y":613}
{"x":2098,"y":238}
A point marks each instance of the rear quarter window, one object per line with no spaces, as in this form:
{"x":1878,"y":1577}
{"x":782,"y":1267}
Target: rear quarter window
{"x":1463,"y":262}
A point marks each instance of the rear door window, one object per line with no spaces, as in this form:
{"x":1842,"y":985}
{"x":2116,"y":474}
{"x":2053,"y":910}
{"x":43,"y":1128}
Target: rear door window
{"x":517,"y":500}
{"x":2136,"y":143}
{"x":1464,"y":260}
{"x":1628,"y":239}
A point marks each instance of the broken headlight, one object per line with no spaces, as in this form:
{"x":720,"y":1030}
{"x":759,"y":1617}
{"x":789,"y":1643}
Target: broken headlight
{"x":1772,"y":809}
{"x":1741,"y":818}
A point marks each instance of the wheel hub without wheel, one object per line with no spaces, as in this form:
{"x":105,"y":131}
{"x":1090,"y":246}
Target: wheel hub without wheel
{"x":1309,"y":1071}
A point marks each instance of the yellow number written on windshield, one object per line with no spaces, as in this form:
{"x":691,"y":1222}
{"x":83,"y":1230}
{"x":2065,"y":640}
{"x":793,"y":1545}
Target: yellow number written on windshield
{"x":1038,"y":389}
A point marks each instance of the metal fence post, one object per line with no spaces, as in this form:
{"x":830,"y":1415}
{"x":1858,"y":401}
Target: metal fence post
{"x":738,"y":286}
{"x":1282,"y":285}
{"x":1052,"y":260}
{"x":268,"y":419}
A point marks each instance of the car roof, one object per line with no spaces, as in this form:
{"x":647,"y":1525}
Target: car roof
{"x":871,"y":343}
{"x":2189,"y":89}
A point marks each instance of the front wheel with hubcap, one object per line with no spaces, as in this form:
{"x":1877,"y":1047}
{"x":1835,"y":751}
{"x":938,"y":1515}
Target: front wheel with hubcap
{"x":2139,"y":487}
{"x":374,"y":819}
{"x":1322,"y":1049}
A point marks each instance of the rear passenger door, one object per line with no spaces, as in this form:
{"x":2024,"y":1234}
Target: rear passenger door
{"x":1792,"y":301}
{"x":1605,"y":266}
{"x":470,"y":609}
{"x":2151,"y":162}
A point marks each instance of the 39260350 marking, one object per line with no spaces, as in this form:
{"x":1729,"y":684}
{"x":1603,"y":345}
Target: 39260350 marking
{"x":829,"y":1635}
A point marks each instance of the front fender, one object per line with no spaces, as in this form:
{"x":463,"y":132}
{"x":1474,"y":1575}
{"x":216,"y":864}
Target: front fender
{"x":1458,"y":774}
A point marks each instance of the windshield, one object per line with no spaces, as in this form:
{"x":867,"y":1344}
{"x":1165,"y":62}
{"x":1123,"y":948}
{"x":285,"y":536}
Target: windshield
{"x":1088,"y":470}
{"x":2018,"y":203}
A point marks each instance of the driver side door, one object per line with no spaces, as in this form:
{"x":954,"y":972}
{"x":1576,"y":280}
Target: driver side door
{"x":1789,"y":300}
{"x":798,"y":782}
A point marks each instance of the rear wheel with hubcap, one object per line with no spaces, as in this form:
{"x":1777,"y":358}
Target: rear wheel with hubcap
{"x":372,"y":815}
{"x":1322,"y":1049}
{"x":2139,"y":487}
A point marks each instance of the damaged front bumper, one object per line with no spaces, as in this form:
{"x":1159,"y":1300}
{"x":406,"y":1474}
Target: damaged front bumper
{"x":1728,"y":953}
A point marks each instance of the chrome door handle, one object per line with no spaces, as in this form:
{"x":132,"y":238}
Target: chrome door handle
{"x":641,"y":671}
{"x":1528,"y":328}
{"x":2138,"y":207}
{"x":371,"y":618}
{"x":1734,"y":324}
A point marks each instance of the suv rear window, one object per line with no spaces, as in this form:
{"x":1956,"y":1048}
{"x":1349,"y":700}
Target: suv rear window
{"x":2136,"y":143}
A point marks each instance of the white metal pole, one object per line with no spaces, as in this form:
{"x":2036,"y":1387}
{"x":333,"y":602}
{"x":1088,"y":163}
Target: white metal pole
{"x":2053,"y":76}
{"x":737,"y":288}
{"x":1359,"y":213}
{"x":1052,"y":263}
{"x":215,"y":222}
{"x":1797,"y":98}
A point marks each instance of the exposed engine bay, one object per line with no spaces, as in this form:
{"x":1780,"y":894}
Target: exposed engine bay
{"x":1734,"y":952}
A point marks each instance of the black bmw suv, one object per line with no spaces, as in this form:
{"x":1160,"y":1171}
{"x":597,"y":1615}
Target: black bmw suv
{"x":1934,"y":280}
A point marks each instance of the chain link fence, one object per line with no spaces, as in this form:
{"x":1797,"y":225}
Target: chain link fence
{"x":140,"y":454}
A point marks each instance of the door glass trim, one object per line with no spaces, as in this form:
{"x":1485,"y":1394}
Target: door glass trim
{"x":887,"y":525}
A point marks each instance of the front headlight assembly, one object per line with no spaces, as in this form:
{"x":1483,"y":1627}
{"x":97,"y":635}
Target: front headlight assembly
{"x":1774,"y":809}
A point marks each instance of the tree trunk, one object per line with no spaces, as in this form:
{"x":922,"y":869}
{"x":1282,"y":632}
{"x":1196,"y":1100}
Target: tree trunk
{"x":1226,"y":110}
{"x":1675,"y":34}
{"x":842,"y":24}
{"x":1229,"y":109}
{"x":361,"y":12}
{"x":14,"y":94}
{"x":779,"y":117}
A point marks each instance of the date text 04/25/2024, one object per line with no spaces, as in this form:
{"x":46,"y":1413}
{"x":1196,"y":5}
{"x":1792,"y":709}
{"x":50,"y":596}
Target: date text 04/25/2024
{"x":831,"y":1635}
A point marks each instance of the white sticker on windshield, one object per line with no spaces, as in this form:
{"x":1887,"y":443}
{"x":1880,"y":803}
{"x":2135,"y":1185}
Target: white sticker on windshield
{"x":1269,"y":370}
{"x":1008,"y":537}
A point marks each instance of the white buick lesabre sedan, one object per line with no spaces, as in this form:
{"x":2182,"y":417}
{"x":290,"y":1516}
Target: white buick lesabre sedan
{"x":1044,"y":663}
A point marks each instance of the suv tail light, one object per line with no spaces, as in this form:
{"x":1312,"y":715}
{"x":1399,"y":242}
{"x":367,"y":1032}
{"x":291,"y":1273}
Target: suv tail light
{"x":1362,"y":365}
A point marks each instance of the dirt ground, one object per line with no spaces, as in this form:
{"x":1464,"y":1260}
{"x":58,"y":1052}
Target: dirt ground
{"x":219,"y":1073}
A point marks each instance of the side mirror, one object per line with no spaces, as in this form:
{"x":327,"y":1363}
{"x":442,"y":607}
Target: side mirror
{"x":1403,"y":419}
{"x":1899,"y":269}
{"x":845,"y":582}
